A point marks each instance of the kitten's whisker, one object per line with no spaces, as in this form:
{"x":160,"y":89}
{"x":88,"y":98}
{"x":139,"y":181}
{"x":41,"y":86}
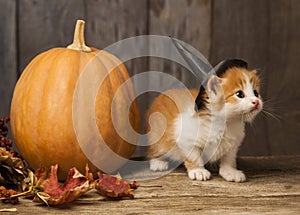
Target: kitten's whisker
{"x":243,"y":117}
{"x":274,"y":116}
{"x":270,"y":100}
{"x":272,"y":110}
{"x":250,"y":122}
{"x":274,"y":104}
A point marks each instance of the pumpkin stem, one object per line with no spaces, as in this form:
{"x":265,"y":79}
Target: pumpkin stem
{"x":78,"y":41}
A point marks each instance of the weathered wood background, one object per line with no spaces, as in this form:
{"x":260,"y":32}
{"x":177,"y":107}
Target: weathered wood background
{"x":266,"y":33}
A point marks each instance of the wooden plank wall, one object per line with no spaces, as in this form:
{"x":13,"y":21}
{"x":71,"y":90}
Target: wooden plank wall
{"x":265,"y":33}
{"x":8,"y":54}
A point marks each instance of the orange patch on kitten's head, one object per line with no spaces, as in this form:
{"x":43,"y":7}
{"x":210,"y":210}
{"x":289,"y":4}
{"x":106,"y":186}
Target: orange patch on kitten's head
{"x":235,"y":79}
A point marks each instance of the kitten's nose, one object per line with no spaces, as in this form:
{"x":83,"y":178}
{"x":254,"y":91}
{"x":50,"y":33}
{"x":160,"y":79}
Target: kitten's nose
{"x":255,"y":103}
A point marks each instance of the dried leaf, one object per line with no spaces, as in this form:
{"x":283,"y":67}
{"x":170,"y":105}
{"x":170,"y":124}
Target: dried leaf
{"x":11,"y":166}
{"x":8,"y":210}
{"x":55,"y":193}
{"x":114,"y":186}
{"x":134,"y":185}
{"x":41,"y":172}
{"x":32,"y":184}
{"x":44,"y":187}
{"x":89,"y":176}
{"x":43,"y":197}
{"x":7,"y":195}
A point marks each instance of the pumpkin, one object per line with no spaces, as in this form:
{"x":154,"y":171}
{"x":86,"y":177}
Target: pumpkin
{"x":42,"y":108}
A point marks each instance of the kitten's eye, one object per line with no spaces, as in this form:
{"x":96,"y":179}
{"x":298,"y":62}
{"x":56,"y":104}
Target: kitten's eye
{"x":240,"y":94}
{"x":256,"y":93}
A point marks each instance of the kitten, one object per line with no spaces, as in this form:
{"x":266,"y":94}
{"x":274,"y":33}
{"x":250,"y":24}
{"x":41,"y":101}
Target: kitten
{"x":175,"y":131}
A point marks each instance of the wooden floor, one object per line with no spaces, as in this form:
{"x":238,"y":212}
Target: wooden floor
{"x":273,"y":187}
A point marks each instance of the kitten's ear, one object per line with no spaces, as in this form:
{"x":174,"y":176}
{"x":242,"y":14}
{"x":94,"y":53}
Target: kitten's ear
{"x":215,"y":93}
{"x":213,"y":90}
{"x":254,"y":71}
{"x":214,"y":85}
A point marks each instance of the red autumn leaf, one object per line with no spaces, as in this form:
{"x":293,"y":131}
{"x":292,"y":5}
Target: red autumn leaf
{"x":114,"y":186}
{"x":40,"y":172}
{"x":7,"y":195}
{"x":55,"y":193}
{"x":134,"y":185}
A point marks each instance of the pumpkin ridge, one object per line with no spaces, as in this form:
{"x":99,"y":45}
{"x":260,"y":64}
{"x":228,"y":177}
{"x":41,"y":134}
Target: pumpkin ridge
{"x":129,"y":88}
{"x":85,"y":59}
{"x":22,"y":94}
{"x":115,"y":71}
{"x":121,"y":70}
{"x":65,"y":137}
{"x":23,"y":77}
{"x":45,"y":95}
{"x":26,"y":76}
{"x":39,"y":104}
{"x":107,"y":86}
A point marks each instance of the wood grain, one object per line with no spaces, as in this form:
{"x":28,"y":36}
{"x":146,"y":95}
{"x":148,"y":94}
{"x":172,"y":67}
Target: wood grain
{"x":283,"y":77}
{"x":265,"y":34}
{"x":109,"y":22}
{"x":8,"y":54}
{"x":188,"y":21}
{"x":235,"y":36}
{"x":46,"y":24}
{"x":265,"y":192}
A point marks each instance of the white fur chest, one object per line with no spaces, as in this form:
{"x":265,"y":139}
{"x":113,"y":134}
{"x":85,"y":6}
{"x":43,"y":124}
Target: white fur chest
{"x":191,"y":131}
{"x":232,"y":139}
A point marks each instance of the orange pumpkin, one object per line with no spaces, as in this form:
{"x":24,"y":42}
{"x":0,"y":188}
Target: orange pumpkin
{"x":42,"y":109}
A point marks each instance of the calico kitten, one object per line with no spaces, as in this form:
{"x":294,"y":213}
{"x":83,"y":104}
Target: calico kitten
{"x":175,"y":131}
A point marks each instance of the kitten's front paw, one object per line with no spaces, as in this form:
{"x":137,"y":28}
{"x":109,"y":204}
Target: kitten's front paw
{"x":200,"y":174}
{"x":231,"y":174}
{"x":158,"y":165}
